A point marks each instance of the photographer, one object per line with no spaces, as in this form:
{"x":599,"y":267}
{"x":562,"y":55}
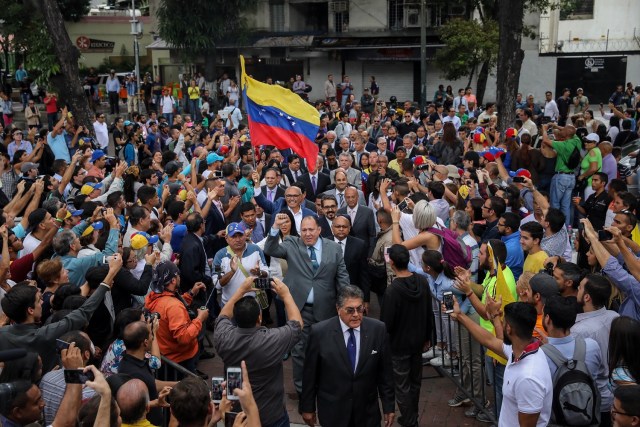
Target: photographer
{"x":179,"y":328}
{"x":262,"y":348}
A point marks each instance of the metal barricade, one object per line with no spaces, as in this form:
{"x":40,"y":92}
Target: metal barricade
{"x":171,"y":371}
{"x":469,"y":369}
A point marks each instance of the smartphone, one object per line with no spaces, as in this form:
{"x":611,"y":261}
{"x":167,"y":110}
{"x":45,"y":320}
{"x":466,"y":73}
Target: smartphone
{"x":447,"y":298}
{"x":519,"y":179}
{"x":216,"y":389}
{"x":61,"y":345}
{"x":604,"y":235}
{"x":261,"y":283}
{"x":402,"y":205}
{"x":230,"y":418}
{"x":386,"y":254}
{"x":234,"y":381}
{"x":76,"y":376}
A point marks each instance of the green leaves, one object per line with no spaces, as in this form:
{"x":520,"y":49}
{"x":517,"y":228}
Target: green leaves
{"x":469,"y":43}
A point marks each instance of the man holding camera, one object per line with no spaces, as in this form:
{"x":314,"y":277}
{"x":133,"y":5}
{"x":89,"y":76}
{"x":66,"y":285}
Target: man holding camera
{"x":260,"y":347}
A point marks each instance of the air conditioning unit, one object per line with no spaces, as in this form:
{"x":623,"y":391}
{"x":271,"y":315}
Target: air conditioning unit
{"x":457,"y":10}
{"x":412,"y":17}
{"x":338,"y":6}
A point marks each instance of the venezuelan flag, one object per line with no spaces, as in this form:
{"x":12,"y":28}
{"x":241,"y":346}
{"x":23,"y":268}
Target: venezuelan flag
{"x":280,"y":118}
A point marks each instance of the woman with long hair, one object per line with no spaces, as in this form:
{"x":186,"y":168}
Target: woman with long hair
{"x":624,"y":346}
{"x":52,"y":275}
{"x":450,"y":149}
{"x":442,"y":279}
{"x":424,"y":219}
{"x":131,"y":184}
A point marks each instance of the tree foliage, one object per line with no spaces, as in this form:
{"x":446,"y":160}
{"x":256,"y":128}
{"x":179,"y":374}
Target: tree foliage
{"x":469,"y":43}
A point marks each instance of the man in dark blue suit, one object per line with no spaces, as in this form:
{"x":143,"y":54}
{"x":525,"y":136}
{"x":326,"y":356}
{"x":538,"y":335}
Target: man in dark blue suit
{"x":292,"y":200}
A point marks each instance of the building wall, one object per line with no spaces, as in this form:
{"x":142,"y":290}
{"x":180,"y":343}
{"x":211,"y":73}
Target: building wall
{"x":113,"y":29}
{"x":368,"y":15}
{"x":620,"y":18}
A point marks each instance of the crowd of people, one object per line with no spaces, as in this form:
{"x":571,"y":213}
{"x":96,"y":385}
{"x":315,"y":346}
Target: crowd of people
{"x":516,"y":249}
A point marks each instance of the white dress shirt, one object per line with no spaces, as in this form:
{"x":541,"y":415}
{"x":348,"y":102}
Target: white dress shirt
{"x":352,"y":213}
{"x":345,"y":335}
{"x":342,"y":243}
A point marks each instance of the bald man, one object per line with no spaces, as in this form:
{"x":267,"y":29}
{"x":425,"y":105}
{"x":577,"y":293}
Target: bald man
{"x":363,"y":222}
{"x":133,"y":401}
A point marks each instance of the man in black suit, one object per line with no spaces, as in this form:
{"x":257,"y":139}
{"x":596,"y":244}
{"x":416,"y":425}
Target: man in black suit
{"x":382,"y":149}
{"x":272,"y":191}
{"x":347,"y":365}
{"x":363,"y":223}
{"x":294,"y":171}
{"x":329,"y":208}
{"x":215,"y":218}
{"x":355,"y":255}
{"x":315,"y":183}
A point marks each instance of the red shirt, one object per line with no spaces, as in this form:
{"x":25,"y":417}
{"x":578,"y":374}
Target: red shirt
{"x":51,"y":104}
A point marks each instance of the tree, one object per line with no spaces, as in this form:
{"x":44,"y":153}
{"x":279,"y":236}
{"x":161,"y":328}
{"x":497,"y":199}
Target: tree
{"x":198,"y":33}
{"x":68,"y":81}
{"x":469,"y":44}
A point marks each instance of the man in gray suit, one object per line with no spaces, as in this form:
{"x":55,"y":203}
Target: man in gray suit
{"x":339,"y":191}
{"x":316,"y":272}
{"x":354,"y":176}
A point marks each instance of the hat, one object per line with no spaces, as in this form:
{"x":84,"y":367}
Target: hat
{"x":579,"y":89}
{"x":510,"y":133}
{"x":79,"y":212}
{"x":164,"y":125}
{"x":453,"y":172}
{"x":97,"y":155}
{"x":545,"y":285}
{"x":213,"y":157}
{"x":235,"y":228}
{"x":172,"y":167}
{"x":463,"y":191}
{"x":592,"y":137}
{"x":141,"y":239}
{"x":392,"y":111}
{"x":492,"y":153}
{"x":520,"y":172}
{"x":163,"y":274}
{"x":89,"y":188}
{"x":128,"y":123}
{"x":27,"y":166}
{"x":224,"y":149}
{"x":90,"y":229}
{"x":479,"y":138}
{"x":420,"y":161}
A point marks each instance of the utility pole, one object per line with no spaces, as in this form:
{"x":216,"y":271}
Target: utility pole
{"x":136,"y":31}
{"x":423,"y":55}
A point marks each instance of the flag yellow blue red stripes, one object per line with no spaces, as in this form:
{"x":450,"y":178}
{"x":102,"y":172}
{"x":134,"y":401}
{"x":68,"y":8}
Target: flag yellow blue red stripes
{"x":280,"y":118}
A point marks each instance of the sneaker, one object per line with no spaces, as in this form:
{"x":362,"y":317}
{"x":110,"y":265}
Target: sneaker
{"x":473,"y":412}
{"x":483,"y":418}
{"x":457,"y":401}
{"x":445,"y":361}
{"x":430,"y":354}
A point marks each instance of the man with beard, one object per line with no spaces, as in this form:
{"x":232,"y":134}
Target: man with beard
{"x":329,"y":208}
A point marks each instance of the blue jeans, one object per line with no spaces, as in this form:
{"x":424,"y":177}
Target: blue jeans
{"x":561,"y":190}
{"x":496,"y":373}
{"x":169,"y":117}
{"x":24,"y":96}
{"x":193,"y":109}
{"x":282,"y":422}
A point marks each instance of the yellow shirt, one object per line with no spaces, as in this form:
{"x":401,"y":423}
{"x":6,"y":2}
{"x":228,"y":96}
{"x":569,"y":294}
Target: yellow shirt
{"x":535,"y":262}
{"x":194,"y":92}
{"x":142,"y":423}
{"x":393,"y":164}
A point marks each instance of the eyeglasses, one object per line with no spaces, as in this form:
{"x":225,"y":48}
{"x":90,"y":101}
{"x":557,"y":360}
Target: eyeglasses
{"x":615,"y":413}
{"x":486,"y":207}
{"x":352,"y":310}
{"x":330,"y":208}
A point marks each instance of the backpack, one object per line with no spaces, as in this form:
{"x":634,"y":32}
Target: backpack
{"x":576,"y":399}
{"x":454,"y":250}
{"x":574,"y":159}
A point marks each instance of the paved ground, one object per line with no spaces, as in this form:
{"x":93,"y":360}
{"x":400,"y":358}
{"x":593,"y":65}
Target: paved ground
{"x":434,"y":394}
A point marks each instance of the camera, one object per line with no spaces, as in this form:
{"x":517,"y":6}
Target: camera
{"x":518,"y":179}
{"x":217,"y":174}
{"x":604,"y":235}
{"x":151,"y":316}
{"x":217,"y":269}
{"x":262,"y":283}
{"x":548,"y":268}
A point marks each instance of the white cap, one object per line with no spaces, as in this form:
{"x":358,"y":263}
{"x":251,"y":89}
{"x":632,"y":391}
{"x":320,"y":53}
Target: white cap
{"x":593,"y":137}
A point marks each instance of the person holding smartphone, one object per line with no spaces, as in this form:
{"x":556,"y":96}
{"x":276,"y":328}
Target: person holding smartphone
{"x":595,"y":209}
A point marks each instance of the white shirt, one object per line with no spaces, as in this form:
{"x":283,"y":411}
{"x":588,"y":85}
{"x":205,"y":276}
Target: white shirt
{"x":352,"y":212}
{"x":297,"y":217}
{"x":30,"y":243}
{"x":167,"y":105}
{"x":356,"y":333}
{"x":455,"y":120}
{"x":527,"y":388}
{"x":234,"y":114}
{"x":102,"y":134}
{"x":342,"y":243}
{"x":551,"y":110}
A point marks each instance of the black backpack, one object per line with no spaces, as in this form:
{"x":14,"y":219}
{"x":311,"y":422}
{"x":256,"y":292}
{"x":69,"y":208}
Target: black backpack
{"x":574,"y":159}
{"x":576,"y":399}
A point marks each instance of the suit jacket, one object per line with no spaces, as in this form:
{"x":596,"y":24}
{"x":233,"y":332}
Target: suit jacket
{"x":193,"y":261}
{"x":364,"y":226}
{"x":354,"y":177}
{"x":279,"y":192}
{"x":390,"y":154}
{"x":215,"y":222}
{"x":289,"y":175}
{"x":329,"y":380}
{"x":327,"y":233}
{"x":322,"y":184}
{"x":300,"y":278}
{"x":355,"y":259}
{"x":275,"y":207}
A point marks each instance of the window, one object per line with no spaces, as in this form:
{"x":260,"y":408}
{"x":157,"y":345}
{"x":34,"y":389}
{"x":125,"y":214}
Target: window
{"x":576,"y":9}
{"x":276,"y":16}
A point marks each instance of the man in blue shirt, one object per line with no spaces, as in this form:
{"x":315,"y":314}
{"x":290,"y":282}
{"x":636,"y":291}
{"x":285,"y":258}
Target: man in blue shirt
{"x":509,"y":229}
{"x":56,"y":139}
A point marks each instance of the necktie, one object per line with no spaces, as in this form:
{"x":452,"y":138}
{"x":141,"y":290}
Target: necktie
{"x":313,"y":183}
{"x":271,"y":195}
{"x":352,"y":214}
{"x":341,"y":246}
{"x":351,"y":349}
{"x":341,"y":199}
{"x":314,"y":260}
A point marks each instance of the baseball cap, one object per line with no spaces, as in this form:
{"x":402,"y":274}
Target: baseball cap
{"x":89,"y":188}
{"x":172,"y":167}
{"x":492,"y":153}
{"x":213,"y":157}
{"x":128,"y":123}
{"x":510,"y":133}
{"x":90,"y":229}
{"x":420,"y":161}
{"x":141,"y":239}
{"x":593,"y":137}
{"x":479,"y":138}
{"x":78,"y":212}
{"x":98,"y":154}
{"x":520,"y":172}
{"x":453,"y":172}
{"x":162,"y":275}
{"x":224,"y":149}
{"x":235,"y":228}
{"x":544,"y":285}
{"x":27,"y":166}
